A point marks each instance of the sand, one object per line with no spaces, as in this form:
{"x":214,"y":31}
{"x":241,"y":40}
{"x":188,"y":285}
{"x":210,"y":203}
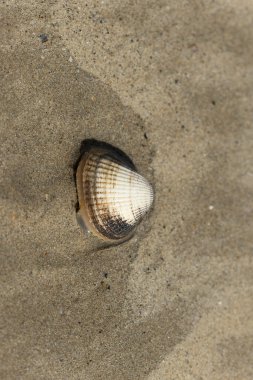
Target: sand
{"x":171,"y":84}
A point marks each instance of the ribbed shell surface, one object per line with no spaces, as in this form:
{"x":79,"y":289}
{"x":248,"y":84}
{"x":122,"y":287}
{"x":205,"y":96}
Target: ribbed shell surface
{"x":115,"y":196}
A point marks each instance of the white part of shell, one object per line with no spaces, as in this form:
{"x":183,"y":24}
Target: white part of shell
{"x":127,"y":194}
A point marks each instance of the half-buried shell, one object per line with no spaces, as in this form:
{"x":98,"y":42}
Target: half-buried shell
{"x":113,"y":197}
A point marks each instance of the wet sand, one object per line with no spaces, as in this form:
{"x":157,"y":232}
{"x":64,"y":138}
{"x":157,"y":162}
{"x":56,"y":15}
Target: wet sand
{"x":171,"y":84}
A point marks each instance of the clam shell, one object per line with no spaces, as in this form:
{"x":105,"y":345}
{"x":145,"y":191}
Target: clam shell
{"x":113,"y":197}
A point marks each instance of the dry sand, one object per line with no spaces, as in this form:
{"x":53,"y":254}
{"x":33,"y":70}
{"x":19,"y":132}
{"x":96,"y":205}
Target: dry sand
{"x":170,"y":83}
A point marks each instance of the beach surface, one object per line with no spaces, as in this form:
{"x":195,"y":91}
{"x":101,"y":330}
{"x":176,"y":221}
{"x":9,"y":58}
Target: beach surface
{"x":171,"y":84}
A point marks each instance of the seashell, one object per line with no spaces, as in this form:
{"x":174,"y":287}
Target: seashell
{"x":113,"y":197}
